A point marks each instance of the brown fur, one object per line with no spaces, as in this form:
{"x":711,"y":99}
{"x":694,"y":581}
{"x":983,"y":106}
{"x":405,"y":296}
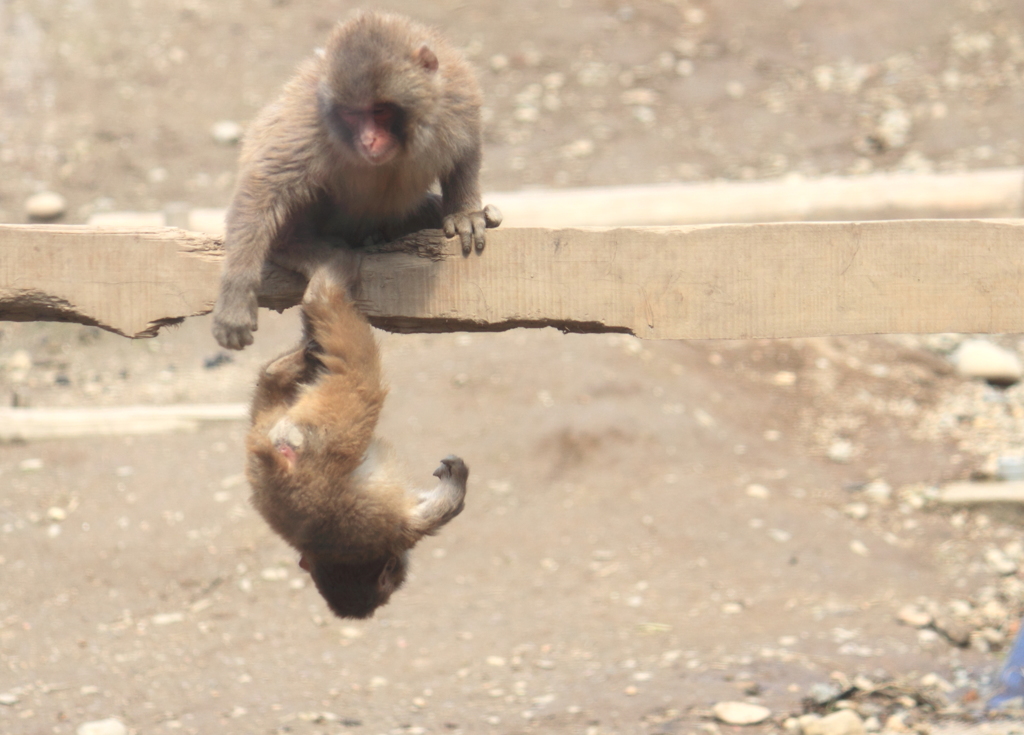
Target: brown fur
{"x":319,"y":476}
{"x":301,"y":176}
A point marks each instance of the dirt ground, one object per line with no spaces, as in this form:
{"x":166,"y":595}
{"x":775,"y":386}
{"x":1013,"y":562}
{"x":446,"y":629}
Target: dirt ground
{"x":652,"y":527}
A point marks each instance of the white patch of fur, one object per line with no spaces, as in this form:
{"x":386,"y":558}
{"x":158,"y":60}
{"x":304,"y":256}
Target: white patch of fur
{"x":286,"y":432}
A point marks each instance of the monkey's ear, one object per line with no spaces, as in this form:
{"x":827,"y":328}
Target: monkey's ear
{"x":391,"y":577}
{"x":426,"y":58}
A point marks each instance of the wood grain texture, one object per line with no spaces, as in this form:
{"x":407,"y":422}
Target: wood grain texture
{"x":693,"y":282}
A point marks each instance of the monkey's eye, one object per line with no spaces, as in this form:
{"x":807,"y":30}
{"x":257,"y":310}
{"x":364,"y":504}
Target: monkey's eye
{"x":383,"y":114}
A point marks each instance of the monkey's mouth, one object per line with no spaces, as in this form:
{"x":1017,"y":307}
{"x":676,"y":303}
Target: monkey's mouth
{"x":380,"y":158}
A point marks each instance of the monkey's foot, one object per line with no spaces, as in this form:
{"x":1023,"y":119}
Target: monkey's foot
{"x":438,"y":506}
{"x":452,"y":468}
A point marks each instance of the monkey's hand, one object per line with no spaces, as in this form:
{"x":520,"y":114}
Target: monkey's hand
{"x":471,"y":227}
{"x":234,"y":319}
{"x":438,"y":506}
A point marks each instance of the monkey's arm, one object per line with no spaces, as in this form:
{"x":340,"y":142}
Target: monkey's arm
{"x":261,"y":210}
{"x":438,"y":506}
{"x":463,"y":216}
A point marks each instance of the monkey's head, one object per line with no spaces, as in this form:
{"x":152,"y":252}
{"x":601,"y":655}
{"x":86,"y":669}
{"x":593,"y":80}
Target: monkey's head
{"x":356,"y":590}
{"x":379,"y":84}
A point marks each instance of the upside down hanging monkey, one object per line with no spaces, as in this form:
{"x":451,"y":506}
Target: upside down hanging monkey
{"x":319,"y":476}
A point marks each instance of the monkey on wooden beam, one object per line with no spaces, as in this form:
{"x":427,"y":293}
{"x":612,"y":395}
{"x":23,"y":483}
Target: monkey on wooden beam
{"x":350,"y":151}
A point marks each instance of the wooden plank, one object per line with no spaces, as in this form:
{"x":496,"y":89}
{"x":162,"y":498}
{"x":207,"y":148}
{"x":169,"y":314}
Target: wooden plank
{"x":27,"y":424}
{"x":968,"y":493}
{"x":995,"y":192}
{"x":889,"y":195}
{"x":709,"y":281}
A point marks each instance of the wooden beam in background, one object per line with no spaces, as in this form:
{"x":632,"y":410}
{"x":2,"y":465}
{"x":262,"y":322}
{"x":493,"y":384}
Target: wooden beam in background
{"x":693,"y":282}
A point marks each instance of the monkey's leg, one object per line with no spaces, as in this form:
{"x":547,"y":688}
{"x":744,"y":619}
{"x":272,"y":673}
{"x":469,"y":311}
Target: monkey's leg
{"x":279,"y":382}
{"x":438,"y":506}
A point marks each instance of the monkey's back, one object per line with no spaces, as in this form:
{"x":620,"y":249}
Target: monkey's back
{"x":314,"y":414}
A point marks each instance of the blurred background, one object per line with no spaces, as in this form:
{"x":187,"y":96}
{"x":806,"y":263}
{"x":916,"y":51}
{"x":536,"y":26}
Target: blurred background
{"x":131,"y":105}
{"x":652,"y":529}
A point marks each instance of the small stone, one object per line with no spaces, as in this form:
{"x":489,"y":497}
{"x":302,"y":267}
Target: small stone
{"x":758,"y":491}
{"x":893,"y":128}
{"x":857,"y":511}
{"x":20,"y":360}
{"x":685,"y":68}
{"x":740,"y":713}
{"x":167,"y":618}
{"x":639,"y":96}
{"x":841,"y":722}
{"x":824,"y":692}
{"x":995,"y":612}
{"x":56,"y":514}
{"x":914,"y":616}
{"x":859,"y":548}
{"x":735,"y":89}
{"x":46,"y":205}
{"x":999,"y":563}
{"x":805,"y":721}
{"x":897,"y":722}
{"x":879,"y":491}
{"x":578,"y":149}
{"x":979,"y":358}
{"x":784,"y":378}
{"x":840,"y":451}
{"x":226,"y":132}
{"x":499,"y":62}
{"x":934,"y":681}
{"x":110,"y":726}
{"x":9,"y":699}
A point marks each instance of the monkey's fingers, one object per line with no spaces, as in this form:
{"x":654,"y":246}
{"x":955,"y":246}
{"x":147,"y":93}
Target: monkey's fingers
{"x":234,"y":321}
{"x":457,"y":224}
{"x":232,"y":338}
{"x":492,"y":216}
{"x":469,"y":226}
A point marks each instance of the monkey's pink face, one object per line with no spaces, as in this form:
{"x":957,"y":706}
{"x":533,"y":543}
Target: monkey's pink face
{"x":373,"y":131}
